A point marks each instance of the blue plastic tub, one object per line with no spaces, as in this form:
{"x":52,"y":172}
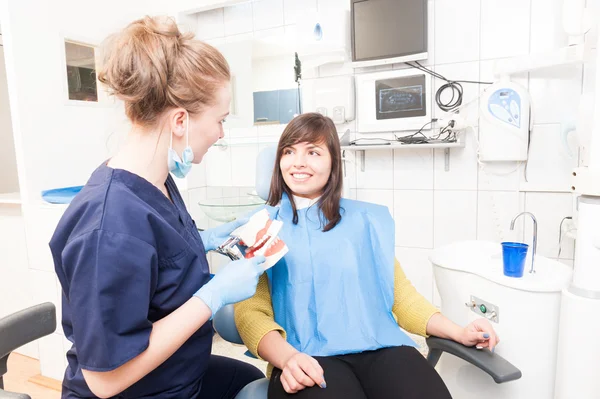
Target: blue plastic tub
{"x":62,"y":195}
{"x":513,"y":257}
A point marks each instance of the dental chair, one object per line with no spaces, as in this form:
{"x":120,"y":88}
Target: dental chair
{"x":19,"y":329}
{"x":497,"y":367}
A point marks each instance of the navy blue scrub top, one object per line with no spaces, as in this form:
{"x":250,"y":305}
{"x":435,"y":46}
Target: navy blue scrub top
{"x":126,"y":256}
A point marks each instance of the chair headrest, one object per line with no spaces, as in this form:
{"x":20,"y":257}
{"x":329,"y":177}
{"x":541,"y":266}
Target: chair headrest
{"x":264,"y":170}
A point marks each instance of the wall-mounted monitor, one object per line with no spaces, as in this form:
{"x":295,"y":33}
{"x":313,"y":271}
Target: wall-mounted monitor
{"x":388,"y":31}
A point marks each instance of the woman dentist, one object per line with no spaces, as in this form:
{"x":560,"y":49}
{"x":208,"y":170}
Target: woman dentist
{"x":137,"y":294}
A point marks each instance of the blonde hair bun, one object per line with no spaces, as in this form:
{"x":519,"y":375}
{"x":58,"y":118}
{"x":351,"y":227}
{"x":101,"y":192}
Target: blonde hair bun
{"x":152,"y":67}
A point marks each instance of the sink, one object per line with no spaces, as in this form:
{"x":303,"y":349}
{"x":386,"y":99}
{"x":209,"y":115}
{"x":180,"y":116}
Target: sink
{"x":227,"y":209}
{"x":485,"y":259}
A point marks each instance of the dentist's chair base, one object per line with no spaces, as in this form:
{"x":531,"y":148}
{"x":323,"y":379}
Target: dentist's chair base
{"x":224,"y":324}
{"x":494,"y":365}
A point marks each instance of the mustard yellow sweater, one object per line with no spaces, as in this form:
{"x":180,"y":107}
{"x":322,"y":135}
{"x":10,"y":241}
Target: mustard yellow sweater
{"x":254,"y":317}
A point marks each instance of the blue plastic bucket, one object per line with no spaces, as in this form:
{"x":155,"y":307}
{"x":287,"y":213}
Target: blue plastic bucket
{"x":513,"y":257}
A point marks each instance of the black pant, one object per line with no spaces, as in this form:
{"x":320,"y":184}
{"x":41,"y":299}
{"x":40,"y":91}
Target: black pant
{"x":398,"y":373}
{"x":226,"y":377}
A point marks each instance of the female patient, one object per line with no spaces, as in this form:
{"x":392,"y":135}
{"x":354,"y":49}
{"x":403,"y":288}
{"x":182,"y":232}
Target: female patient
{"x":326,"y":315}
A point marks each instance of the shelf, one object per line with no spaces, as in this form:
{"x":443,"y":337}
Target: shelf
{"x":10,"y":198}
{"x":457,"y":144}
{"x":399,"y":146}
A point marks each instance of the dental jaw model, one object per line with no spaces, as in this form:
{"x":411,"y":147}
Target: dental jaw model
{"x":260,"y":236}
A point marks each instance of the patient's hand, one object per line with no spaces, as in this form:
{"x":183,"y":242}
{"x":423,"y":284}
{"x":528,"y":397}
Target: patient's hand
{"x":301,"y":371}
{"x":481,"y":334}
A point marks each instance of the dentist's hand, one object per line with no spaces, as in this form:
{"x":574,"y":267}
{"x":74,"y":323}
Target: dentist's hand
{"x":481,"y":334}
{"x":233,"y":283}
{"x":212,"y":238}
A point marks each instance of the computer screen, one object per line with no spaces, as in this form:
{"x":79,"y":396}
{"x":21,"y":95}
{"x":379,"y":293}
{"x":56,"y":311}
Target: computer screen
{"x":388,"y":28}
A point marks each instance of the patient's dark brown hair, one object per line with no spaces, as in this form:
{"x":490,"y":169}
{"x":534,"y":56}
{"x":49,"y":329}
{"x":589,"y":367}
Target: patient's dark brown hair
{"x":312,"y":128}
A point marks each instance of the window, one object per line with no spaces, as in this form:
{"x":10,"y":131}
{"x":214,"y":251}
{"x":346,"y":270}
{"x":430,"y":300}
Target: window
{"x":81,"y":72}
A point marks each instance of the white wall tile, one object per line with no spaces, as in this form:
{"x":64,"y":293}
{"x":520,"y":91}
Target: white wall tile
{"x":243,"y":165}
{"x":456,"y":42}
{"x":555,"y":94}
{"x":293,"y":8}
{"x":242,"y":37}
{"x":460,"y":71}
{"x":413,"y":213}
{"x":379,"y":170}
{"x":495,"y":210}
{"x":31,"y":350}
{"x":380,"y":197}
{"x":349,"y":170}
{"x":217,"y":41}
{"x":40,"y":225}
{"x":413,"y":169}
{"x":270,"y":131}
{"x":211,"y":24}
{"x":350,"y":194}
{"x":238,"y":19}
{"x":269,"y":32}
{"x":334,"y":5}
{"x":504,"y":28}
{"x":267,"y":14}
{"x":462,"y":173}
{"x":242,"y":132}
{"x":547,"y":31}
{"x":455,"y":214}
{"x":52,"y":357}
{"x":549,"y":209}
{"x":335,"y":70}
{"x":42,"y":287}
{"x":196,"y":196}
{"x":589,"y":78}
{"x":568,"y":262}
{"x":415,"y":264}
{"x":500,"y":176}
{"x":549,"y":163}
{"x":59,"y":294}
{"x":219,"y":172}
{"x":197,"y":176}
{"x":231,"y":192}
{"x":214,"y":192}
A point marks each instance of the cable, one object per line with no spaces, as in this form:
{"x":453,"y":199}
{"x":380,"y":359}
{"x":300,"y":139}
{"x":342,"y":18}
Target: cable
{"x":420,"y":131}
{"x":454,"y":85}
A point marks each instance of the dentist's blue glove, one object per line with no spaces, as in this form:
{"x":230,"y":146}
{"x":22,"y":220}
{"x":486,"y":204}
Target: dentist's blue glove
{"x":235,"y":282}
{"x":212,"y":238}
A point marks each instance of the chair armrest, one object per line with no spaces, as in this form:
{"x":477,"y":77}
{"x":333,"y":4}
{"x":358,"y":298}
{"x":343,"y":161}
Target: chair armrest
{"x":224,"y":323}
{"x":495,"y":365}
{"x":12,"y":395}
{"x":23,"y":327}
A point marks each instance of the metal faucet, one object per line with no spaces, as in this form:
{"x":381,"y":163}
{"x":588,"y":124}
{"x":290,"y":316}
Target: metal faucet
{"x":512,"y":227}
